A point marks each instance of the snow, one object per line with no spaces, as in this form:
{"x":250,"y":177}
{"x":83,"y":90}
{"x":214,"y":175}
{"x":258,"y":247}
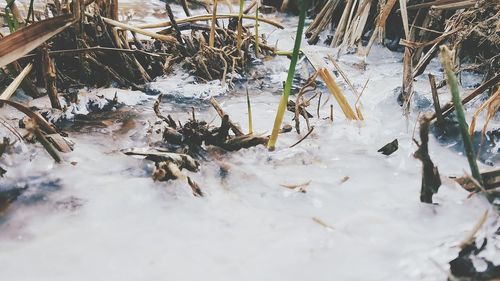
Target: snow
{"x":103,"y":217}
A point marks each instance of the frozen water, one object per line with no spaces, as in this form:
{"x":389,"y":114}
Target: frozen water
{"x":101,"y":216}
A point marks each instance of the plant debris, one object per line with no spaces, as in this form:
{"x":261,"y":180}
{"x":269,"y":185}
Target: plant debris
{"x":431,"y":181}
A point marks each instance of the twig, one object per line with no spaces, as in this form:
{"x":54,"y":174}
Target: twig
{"x":235,"y":128}
{"x":435,"y":98}
{"x":303,"y":138}
{"x":470,"y":236}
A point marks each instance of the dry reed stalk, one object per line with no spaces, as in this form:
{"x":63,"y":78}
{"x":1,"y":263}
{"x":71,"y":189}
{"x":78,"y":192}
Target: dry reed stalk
{"x":208,"y":17}
{"x":229,"y":6}
{"x":40,"y":121}
{"x":448,"y":108}
{"x":23,"y":41}
{"x":211,"y":40}
{"x":407,"y":89}
{"x":49,"y":71}
{"x":284,"y":5}
{"x":344,"y":76}
{"x":469,"y":239}
{"x":356,"y":30}
{"x":11,"y":89}
{"x":382,"y":19}
{"x":424,"y":61}
{"x":27,"y":84}
{"x":492,"y":105}
{"x":404,"y":16}
{"x":344,"y":20}
{"x":321,"y":20}
{"x":455,"y":6}
{"x":337,"y":94}
{"x":166,"y":38}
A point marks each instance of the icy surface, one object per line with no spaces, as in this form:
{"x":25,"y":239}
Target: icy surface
{"x":100,"y":216}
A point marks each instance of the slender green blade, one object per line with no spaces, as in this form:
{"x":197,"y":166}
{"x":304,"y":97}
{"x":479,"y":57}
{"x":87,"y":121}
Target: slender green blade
{"x":291,"y":71}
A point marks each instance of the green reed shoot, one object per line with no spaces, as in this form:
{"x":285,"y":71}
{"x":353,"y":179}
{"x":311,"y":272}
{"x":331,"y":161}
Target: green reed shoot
{"x":288,"y":85}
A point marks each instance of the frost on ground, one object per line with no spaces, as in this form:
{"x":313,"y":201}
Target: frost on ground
{"x":99,"y":216}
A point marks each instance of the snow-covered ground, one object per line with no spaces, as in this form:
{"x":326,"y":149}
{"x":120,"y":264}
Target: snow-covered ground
{"x":100,"y":216}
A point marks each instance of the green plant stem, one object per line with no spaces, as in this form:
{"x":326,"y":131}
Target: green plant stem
{"x":288,"y":85}
{"x":257,"y":29}
{"x":451,"y":78}
{"x":11,"y":22}
{"x":250,"y":121}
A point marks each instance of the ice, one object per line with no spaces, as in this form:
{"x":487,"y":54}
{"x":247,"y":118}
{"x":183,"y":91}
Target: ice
{"x":108,"y":220}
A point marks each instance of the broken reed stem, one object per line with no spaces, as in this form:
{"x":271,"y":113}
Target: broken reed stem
{"x":49,"y":70}
{"x":9,"y":91}
{"x":249,"y":108}
{"x":346,"y":79}
{"x":284,"y":5}
{"x":46,"y":144}
{"x":435,"y":98}
{"x":337,"y":94}
{"x":469,"y":239}
{"x":491,"y":105}
{"x":211,"y":40}
{"x":288,"y":85}
{"x":380,"y":24}
{"x":451,"y":78}
{"x":257,"y":29}
{"x":240,"y":27}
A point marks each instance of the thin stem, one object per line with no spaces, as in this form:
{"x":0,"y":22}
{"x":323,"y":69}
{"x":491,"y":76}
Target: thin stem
{"x":250,"y":122}
{"x":211,"y":40}
{"x":446,"y":60}
{"x":291,"y":71}
{"x":257,"y":29}
{"x":240,"y":26}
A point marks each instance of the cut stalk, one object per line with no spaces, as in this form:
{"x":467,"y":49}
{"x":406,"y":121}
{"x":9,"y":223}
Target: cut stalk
{"x":250,"y":122}
{"x":451,"y":78}
{"x":288,"y":85}
{"x":211,"y":40}
{"x":11,"y":89}
{"x":337,"y":93}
